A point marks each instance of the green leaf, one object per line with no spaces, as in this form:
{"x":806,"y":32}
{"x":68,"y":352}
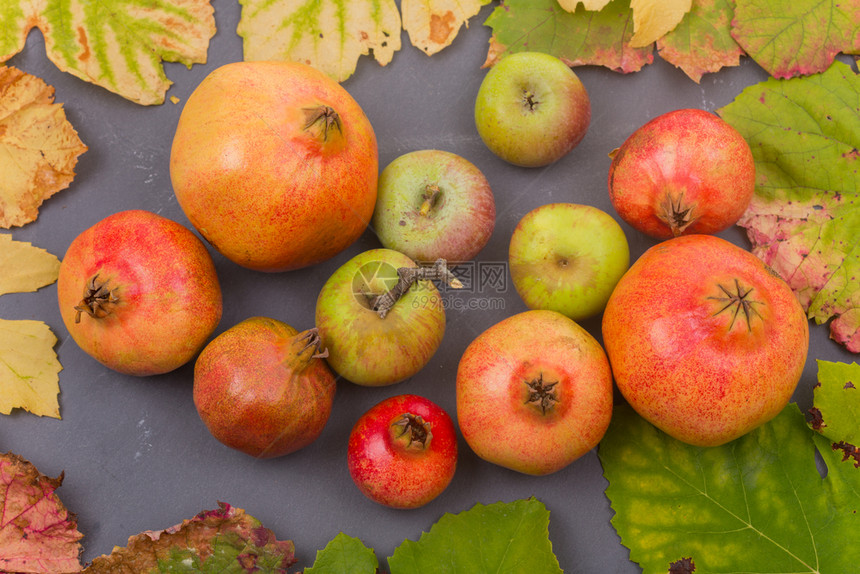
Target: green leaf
{"x":702,"y":42}
{"x":756,"y":504}
{"x":327,"y":34}
{"x":344,"y":555}
{"x":804,"y":219}
{"x":799,"y":37}
{"x":836,"y":408}
{"x":583,"y":37}
{"x":116,"y":44}
{"x":501,"y":538}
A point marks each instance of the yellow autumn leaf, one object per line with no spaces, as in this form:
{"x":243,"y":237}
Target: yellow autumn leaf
{"x":29,"y":369}
{"x":570,"y":5}
{"x":327,"y":34}
{"x":433,"y":24}
{"x":653,"y":19}
{"x":39,"y":148}
{"x":25,"y":267}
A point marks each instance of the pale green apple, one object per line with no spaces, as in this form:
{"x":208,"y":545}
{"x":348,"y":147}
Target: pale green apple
{"x":568,"y":258}
{"x":532,"y":109}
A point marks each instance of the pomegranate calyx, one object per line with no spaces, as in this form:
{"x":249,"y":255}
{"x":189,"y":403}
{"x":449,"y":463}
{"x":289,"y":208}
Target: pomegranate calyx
{"x":325,"y":118}
{"x":542,"y":393}
{"x":413,"y":430}
{"x":312,"y":341}
{"x":98,"y":299}
{"x":676,"y":213}
{"x":738,"y":303}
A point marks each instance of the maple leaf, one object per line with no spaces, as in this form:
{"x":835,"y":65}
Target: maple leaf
{"x":25,"y":268}
{"x":38,"y":146}
{"x":37,"y":533}
{"x":804,"y":218}
{"x":702,"y":42}
{"x":116,"y":44}
{"x":327,"y":34}
{"x":28,"y":368}
{"x":222,"y":540}
{"x":433,"y":24}
{"x":583,"y":37}
{"x":788,"y":39}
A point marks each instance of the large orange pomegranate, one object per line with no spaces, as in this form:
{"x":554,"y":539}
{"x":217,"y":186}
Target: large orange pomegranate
{"x":705,"y":341}
{"x":275,"y":164}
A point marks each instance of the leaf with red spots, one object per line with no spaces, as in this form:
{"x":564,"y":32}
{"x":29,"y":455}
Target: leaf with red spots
{"x":37,"y":533}
{"x":756,"y":504}
{"x":804,"y":218}
{"x":799,"y":37}
{"x":836,"y":410}
{"x":215,"y":541}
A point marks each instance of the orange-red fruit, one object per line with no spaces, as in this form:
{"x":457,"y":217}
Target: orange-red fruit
{"x":262,"y":388}
{"x":684,"y":172}
{"x":275,"y":164}
{"x":139,"y":293}
{"x":705,"y":341}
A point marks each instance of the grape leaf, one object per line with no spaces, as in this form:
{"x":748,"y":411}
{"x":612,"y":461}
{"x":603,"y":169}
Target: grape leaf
{"x":702,"y":42}
{"x":653,"y":19}
{"x":215,"y":541}
{"x":756,"y":504}
{"x":570,"y":5}
{"x":28,"y":368}
{"x":327,"y":34}
{"x":836,"y":405}
{"x":795,"y":38}
{"x":583,"y":37}
{"x":804,"y":218}
{"x":39,"y":148}
{"x":344,"y":555}
{"x":25,"y":268}
{"x":116,"y":44}
{"x":433,"y":24}
{"x":501,"y":537}
{"x":37,"y":533}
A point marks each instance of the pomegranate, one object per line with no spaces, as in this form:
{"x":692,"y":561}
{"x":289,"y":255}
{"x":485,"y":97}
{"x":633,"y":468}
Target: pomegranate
{"x":139,"y":293}
{"x":684,"y":172}
{"x":534,"y":392}
{"x":275,"y":164}
{"x":705,"y":341}
{"x":263,"y":388}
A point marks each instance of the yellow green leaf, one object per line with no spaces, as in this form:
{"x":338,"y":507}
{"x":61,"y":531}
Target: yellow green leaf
{"x":327,"y":34}
{"x":29,"y":369}
{"x":653,"y":19}
{"x":39,"y":148}
{"x":570,"y":5}
{"x":433,"y":24}
{"x":25,"y":267}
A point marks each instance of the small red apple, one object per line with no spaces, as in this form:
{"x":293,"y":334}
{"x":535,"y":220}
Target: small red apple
{"x":402,"y":452}
{"x":534,"y":392}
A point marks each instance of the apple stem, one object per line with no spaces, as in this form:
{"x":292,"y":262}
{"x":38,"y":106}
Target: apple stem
{"x":406,"y":277}
{"x":431,"y":192}
{"x":98,"y":300}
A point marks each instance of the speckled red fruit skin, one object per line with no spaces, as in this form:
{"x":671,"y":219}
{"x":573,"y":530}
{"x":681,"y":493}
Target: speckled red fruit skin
{"x":259,"y":390}
{"x":494,"y":413}
{"x":169,"y":293}
{"x":394,"y":476}
{"x":688,"y":156}
{"x":688,"y":363}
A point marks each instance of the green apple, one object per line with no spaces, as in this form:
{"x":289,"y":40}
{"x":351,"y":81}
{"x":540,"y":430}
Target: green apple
{"x":365,"y":347}
{"x":532,"y":109}
{"x":434,"y":204}
{"x":568,"y":258}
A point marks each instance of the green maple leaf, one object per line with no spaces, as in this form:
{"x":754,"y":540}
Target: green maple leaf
{"x":583,"y":37}
{"x":804,"y":219}
{"x":116,"y":44}
{"x":702,"y":42}
{"x":800,"y":37}
{"x":502,"y":537}
{"x":327,"y":34}
{"x":756,"y":504}
{"x":344,"y":555}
